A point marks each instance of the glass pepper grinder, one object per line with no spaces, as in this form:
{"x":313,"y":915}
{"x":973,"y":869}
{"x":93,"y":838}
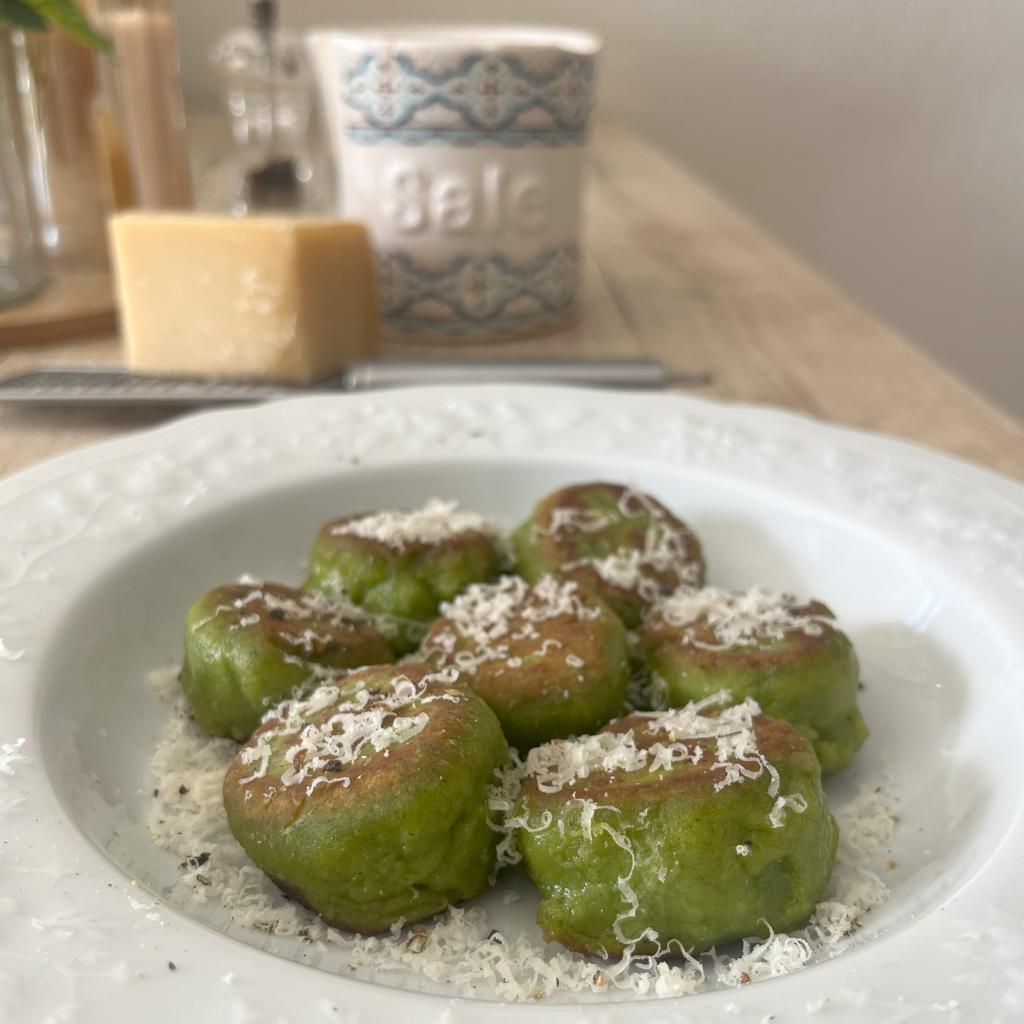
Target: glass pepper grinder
{"x":268,"y":91}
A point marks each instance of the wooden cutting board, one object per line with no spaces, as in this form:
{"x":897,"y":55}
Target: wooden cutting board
{"x":69,"y":306}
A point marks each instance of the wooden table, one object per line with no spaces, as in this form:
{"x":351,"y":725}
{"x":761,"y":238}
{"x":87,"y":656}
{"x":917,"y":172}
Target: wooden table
{"x":673,"y":273}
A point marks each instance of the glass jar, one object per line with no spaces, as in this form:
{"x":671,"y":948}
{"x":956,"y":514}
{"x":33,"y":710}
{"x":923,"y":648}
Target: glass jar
{"x":21,"y":261}
{"x":58,"y":82}
{"x":145,"y":103}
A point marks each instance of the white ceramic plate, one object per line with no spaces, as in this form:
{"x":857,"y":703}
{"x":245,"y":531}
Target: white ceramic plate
{"x":101,"y":551}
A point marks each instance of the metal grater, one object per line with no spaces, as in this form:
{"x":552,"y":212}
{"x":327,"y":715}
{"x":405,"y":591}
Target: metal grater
{"x":104,"y":385}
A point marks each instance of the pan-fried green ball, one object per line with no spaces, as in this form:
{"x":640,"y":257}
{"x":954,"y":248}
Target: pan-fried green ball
{"x":549,"y":660}
{"x":250,"y":645}
{"x":676,"y":831}
{"x":369,"y":800}
{"x":402,"y":565}
{"x":785,"y":653}
{"x":618,"y":543}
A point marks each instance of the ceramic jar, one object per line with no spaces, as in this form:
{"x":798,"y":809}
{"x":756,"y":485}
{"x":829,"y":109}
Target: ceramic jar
{"x":462,"y":149}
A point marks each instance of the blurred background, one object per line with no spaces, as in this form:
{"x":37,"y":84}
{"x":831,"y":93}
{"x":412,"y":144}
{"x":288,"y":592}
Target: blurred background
{"x":881,"y":141}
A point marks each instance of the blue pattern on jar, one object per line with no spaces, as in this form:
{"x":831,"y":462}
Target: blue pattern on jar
{"x":486,"y":92}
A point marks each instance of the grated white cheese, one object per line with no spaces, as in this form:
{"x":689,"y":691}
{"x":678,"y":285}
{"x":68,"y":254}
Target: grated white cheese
{"x":664,"y":550}
{"x":855,"y":892}
{"x":10,"y":653}
{"x":581,"y":520}
{"x":797,"y":803}
{"x":459,"y":949}
{"x":763,"y":958}
{"x":303,"y":605}
{"x":491,"y":615}
{"x":437,"y":521}
{"x":11,"y":754}
{"x":627,"y":892}
{"x":556,"y":764}
{"x":588,"y":808}
{"x":665,"y":547}
{"x":867,"y":822}
{"x":592,"y":520}
{"x":741,"y":618}
{"x":560,"y":763}
{"x":305,"y":611}
{"x":369,"y":720}
{"x":501,"y":801}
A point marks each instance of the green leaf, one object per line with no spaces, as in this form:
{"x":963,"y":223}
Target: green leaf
{"x":38,"y":14}
{"x":19,"y":15}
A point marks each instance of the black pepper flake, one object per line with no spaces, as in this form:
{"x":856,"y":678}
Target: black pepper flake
{"x":203,"y":880}
{"x":276,"y":613}
{"x":171,"y":965}
{"x":196,"y":861}
{"x":156,"y":792}
{"x":182,"y":789}
{"x":334,"y":765}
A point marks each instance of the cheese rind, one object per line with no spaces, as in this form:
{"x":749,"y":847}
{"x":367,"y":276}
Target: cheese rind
{"x":280,"y":298}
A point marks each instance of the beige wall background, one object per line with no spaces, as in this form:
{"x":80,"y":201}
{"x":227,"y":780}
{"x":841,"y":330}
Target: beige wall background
{"x":881,"y":140}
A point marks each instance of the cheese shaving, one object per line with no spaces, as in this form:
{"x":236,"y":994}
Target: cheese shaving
{"x":588,"y":808}
{"x":302,"y":615}
{"x":575,"y":520}
{"x":560,"y":763}
{"x":591,"y":520}
{"x":665,"y":546}
{"x":743,"y":618}
{"x":627,"y":892}
{"x":768,"y":958}
{"x":664,"y":550}
{"x":438,"y":520}
{"x":367,"y":721}
{"x":11,"y":754}
{"x":866,"y":823}
{"x":491,"y":615}
{"x":797,"y":803}
{"x":305,"y":605}
{"x":501,"y":802}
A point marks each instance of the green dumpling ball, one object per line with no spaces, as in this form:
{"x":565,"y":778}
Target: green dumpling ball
{"x":675,"y":831}
{"x":402,"y":565}
{"x":369,"y":800}
{"x":549,"y":660}
{"x":785,"y":653}
{"x":250,"y":645}
{"x":623,"y":546}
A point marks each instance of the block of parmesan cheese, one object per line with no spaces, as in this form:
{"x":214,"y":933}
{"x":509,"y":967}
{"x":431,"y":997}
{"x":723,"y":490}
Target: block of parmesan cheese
{"x":280,"y":298}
